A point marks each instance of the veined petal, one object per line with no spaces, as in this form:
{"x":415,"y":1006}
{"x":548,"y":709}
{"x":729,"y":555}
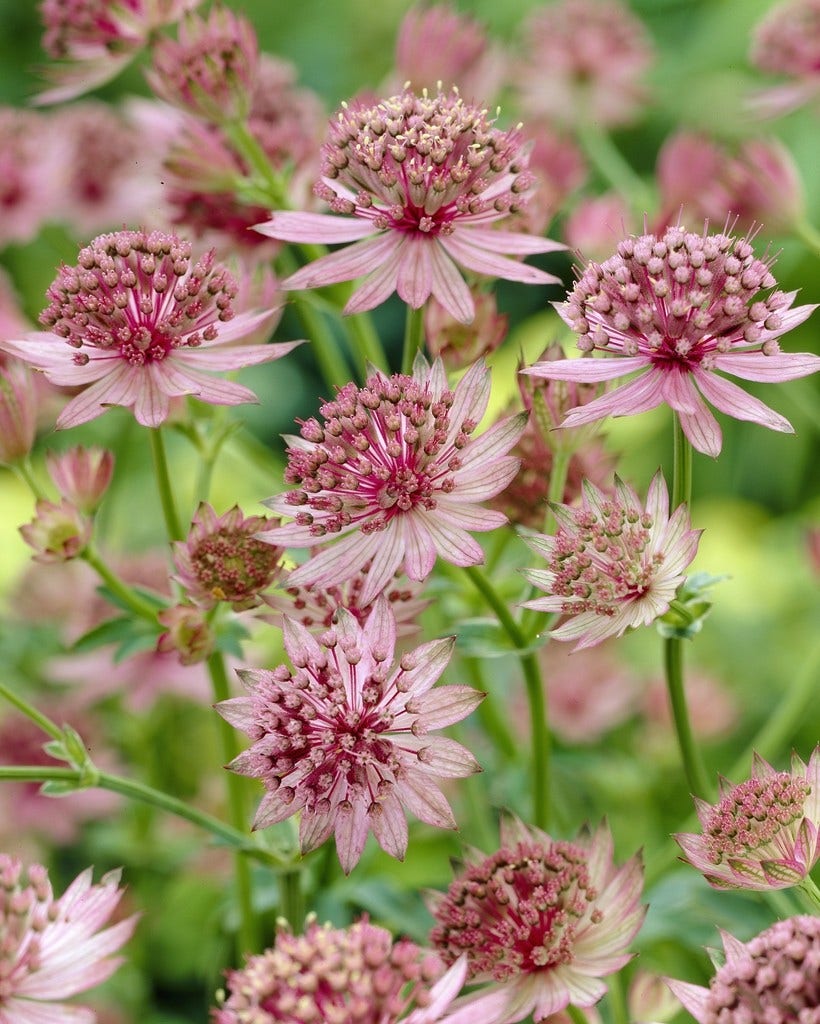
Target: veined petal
{"x":119,"y":387}
{"x":346,"y":264}
{"x":640,"y":395}
{"x":775,"y":368}
{"x":702,"y":430}
{"x":482,"y":261}
{"x":589,"y":370}
{"x":415,"y":272}
{"x":380,"y":283}
{"x":734,"y":401}
{"x":327,"y":228}
{"x":516,"y":243}
{"x":449,"y":287}
{"x":234,"y":357}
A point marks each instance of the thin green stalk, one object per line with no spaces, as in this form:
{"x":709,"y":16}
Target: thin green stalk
{"x":612,"y":166}
{"x":492,"y":722}
{"x":413,"y":338}
{"x":332,"y":363}
{"x":237,"y":806}
{"x":40,"y":720}
{"x":808,"y":235}
{"x":576,"y":1016}
{"x":809,"y":890}
{"x":617,"y":999}
{"x":291,"y":899}
{"x":366,"y":343}
{"x":24,"y":471}
{"x":541,"y":743}
{"x":681,"y":467}
{"x":166,"y":494}
{"x":129,"y":597}
{"x":245,"y":143}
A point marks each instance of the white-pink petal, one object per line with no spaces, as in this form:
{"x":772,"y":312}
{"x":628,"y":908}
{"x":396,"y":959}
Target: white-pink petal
{"x":288,"y":226}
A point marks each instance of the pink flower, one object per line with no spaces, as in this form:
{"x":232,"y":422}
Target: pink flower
{"x":29,"y":172}
{"x":93,"y":40}
{"x":678,"y":308}
{"x":53,"y":948}
{"x":613,"y":564}
{"x":223,"y":560}
{"x":764,"y":833}
{"x":81,"y":475}
{"x":393,"y":471}
{"x":190,"y":634}
{"x":774,"y":977}
{"x":340,"y":975}
{"x":541,"y":921}
{"x":422,"y":179}
{"x":57,"y":533}
{"x":560,"y":169}
{"x":139,"y":322}
{"x":787,"y":42}
{"x":345,"y":738}
{"x":18,"y":411}
{"x":596,"y":224}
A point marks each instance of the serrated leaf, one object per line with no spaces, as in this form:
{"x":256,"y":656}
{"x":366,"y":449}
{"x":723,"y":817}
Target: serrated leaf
{"x":136,"y":644}
{"x":109,"y":632}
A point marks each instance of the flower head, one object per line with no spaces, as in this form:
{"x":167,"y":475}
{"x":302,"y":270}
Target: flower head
{"x":345,"y":736}
{"x":189,"y":633}
{"x":337,"y":975}
{"x":139,"y":321}
{"x":81,"y":475}
{"x":763,"y":833}
{"x":678,"y":308}
{"x":394,"y":472}
{"x":613,"y":563}
{"x":774,"y":977}
{"x":223,"y":560}
{"x":542,"y":920}
{"x":53,"y":948}
{"x":787,"y":42}
{"x":421,"y":180}
{"x":57,"y":533}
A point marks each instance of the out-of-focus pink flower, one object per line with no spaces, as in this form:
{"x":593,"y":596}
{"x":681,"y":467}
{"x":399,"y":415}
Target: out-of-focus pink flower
{"x":210,"y":69}
{"x":57,"y":533}
{"x":763,"y":833}
{"x":394,"y":473}
{"x":758,"y":182}
{"x":773,"y":977}
{"x":82,"y":475}
{"x":421,"y":180}
{"x":713,"y":709}
{"x":677,"y":308}
{"x":190,"y":635}
{"x":140,"y":322}
{"x":597,"y":224}
{"x":559,"y":168}
{"x":222,"y":559}
{"x":18,"y":411}
{"x":53,"y":948}
{"x":347,"y":737}
{"x":813,"y":548}
{"x":341,"y":974}
{"x":584,"y":60}
{"x":541,"y":922}
{"x":613,"y":564}
{"x":29,"y":167}
{"x":787,"y":42}
{"x":460,"y":344}
{"x":93,"y":40}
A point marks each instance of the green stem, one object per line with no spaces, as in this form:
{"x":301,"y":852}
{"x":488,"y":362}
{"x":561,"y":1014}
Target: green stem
{"x":617,"y":1000}
{"x":166,"y":494}
{"x":291,"y":899}
{"x":808,"y":235}
{"x":137,"y":604}
{"x":413,"y":338}
{"x":245,"y":143}
{"x":681,"y":467}
{"x":612,"y":166}
{"x":541,"y":744}
{"x":576,"y":1016}
{"x":366,"y":343}
{"x":332,"y":363}
{"x":492,"y":722}
{"x":40,"y":720}
{"x":808,"y":889}
{"x":24,"y":470}
{"x":248,"y":933}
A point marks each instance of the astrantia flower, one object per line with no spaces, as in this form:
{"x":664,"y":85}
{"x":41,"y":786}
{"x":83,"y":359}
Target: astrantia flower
{"x":53,"y":948}
{"x":612,"y":563}
{"x":787,"y":42}
{"x":393,"y":471}
{"x":678,"y":308}
{"x":139,"y":321}
{"x":541,"y":921}
{"x":763,"y":833}
{"x":222,"y":559}
{"x":345,"y":737}
{"x":422,"y":179}
{"x":57,"y":533}
{"x":774,"y":977}
{"x":339,"y":975}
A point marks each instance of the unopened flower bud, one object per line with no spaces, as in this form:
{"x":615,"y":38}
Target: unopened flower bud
{"x":189,"y":633}
{"x":18,"y":411}
{"x":57,"y":533}
{"x":81,"y":475}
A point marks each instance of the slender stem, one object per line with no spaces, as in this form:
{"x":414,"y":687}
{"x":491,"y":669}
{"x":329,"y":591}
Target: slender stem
{"x":613,"y":167}
{"x":413,"y":338}
{"x":616,"y":999}
{"x":246,"y":144}
{"x":808,"y":235}
{"x":808,"y":889}
{"x":24,"y":470}
{"x":248,"y":933}
{"x":681,"y":467}
{"x":576,"y":1015}
{"x":541,"y":743}
{"x":366,"y":343}
{"x":137,"y":604}
{"x":166,"y":494}
{"x":40,"y":720}
{"x":291,"y":899}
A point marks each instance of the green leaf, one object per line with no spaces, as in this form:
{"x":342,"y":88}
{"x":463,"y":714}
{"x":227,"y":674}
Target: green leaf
{"x":111,"y":631}
{"x":485,"y":638}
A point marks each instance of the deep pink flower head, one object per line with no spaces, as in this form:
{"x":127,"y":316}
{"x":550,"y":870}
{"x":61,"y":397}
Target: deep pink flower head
{"x":787,"y":42}
{"x":393,"y":471}
{"x":139,"y":321}
{"x":340,"y":975}
{"x":763,"y":833}
{"x":775,"y":977}
{"x":93,"y":40}
{"x":81,"y":475}
{"x":677,"y":308}
{"x":613,"y":563}
{"x":53,"y":948}
{"x":421,"y":180}
{"x":584,"y":60}
{"x":541,"y":921}
{"x":346,"y":736}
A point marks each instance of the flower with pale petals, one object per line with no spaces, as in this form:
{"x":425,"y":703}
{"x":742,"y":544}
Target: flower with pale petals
{"x":53,"y":948}
{"x":81,"y":475}
{"x":140,"y":322}
{"x":675,"y":309}
{"x":772,"y":979}
{"x":340,"y":975}
{"x":189,"y":635}
{"x":787,"y":42}
{"x":345,"y":737}
{"x":394,"y":472}
{"x":613,"y":563}
{"x":763,"y":833}
{"x":541,"y":922}
{"x":422,"y":181}
{"x":57,"y":533}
